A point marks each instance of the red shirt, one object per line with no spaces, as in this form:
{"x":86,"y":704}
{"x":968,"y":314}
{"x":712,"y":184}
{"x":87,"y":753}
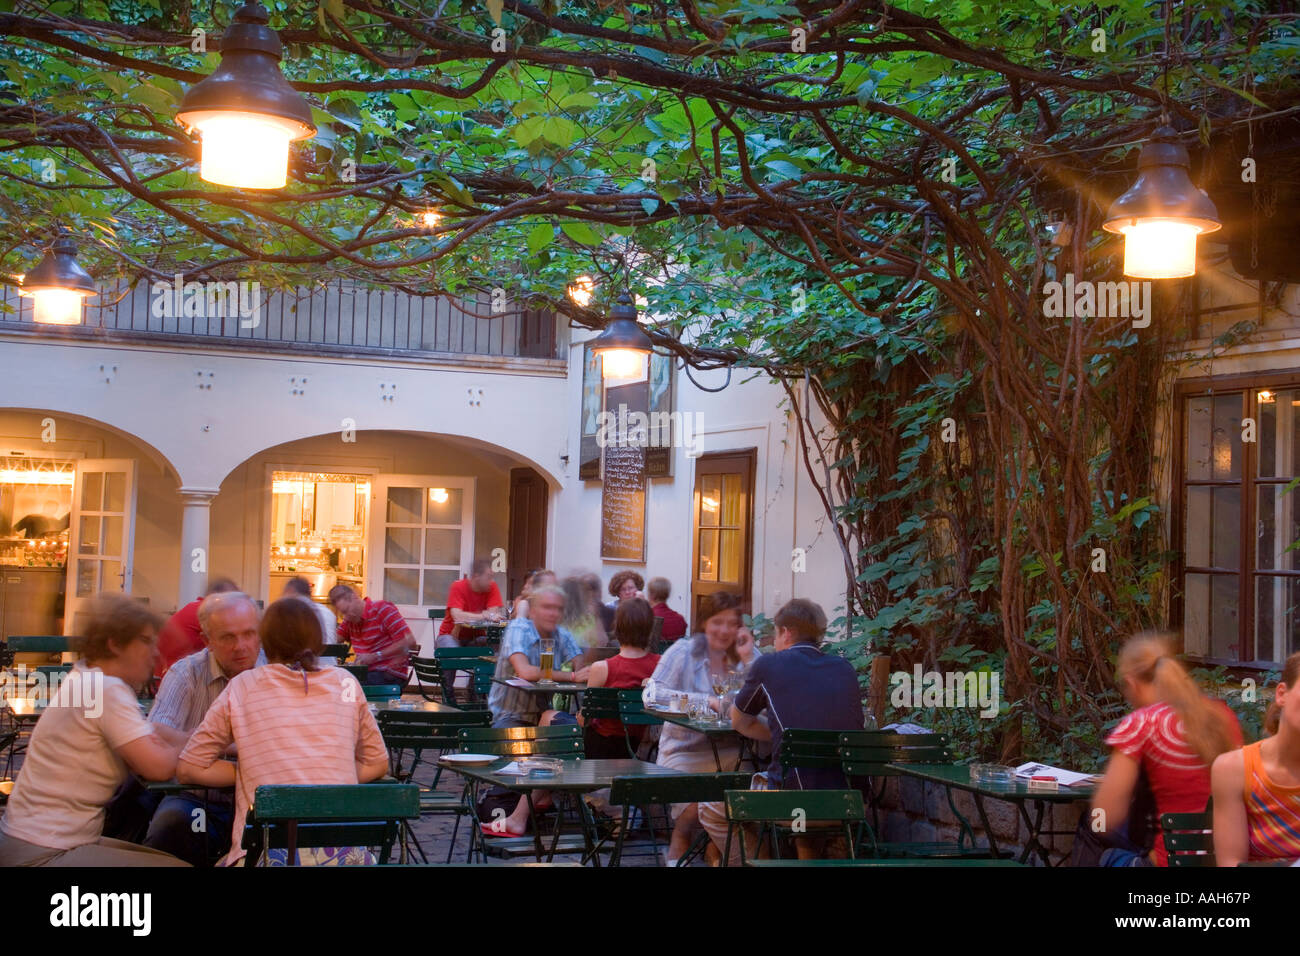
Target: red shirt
{"x":381,"y":626}
{"x":1180,"y":782}
{"x":464,"y":598}
{"x":625,"y":673}
{"x":180,"y":637}
{"x":674,"y":623}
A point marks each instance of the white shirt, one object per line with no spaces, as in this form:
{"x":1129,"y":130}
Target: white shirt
{"x":72,"y":768}
{"x":329,"y":624}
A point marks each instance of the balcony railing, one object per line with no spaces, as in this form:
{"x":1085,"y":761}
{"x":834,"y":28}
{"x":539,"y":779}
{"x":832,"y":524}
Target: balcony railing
{"x":338,"y":318}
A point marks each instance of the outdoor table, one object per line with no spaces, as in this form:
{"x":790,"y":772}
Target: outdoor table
{"x":414,"y":706}
{"x":567,"y":688}
{"x":578,"y":777}
{"x":713,"y":732}
{"x":957,"y":777}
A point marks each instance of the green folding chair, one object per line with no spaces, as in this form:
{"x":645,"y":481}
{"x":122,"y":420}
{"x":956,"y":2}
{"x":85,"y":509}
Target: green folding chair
{"x":427,"y":679}
{"x":868,"y":754}
{"x":563,"y":741}
{"x":623,"y":705}
{"x":38,"y":644}
{"x":647,"y":794}
{"x":801,"y":812}
{"x":345,"y":815}
{"x":416,"y":732}
{"x":1189,"y":837}
{"x":473,"y":660}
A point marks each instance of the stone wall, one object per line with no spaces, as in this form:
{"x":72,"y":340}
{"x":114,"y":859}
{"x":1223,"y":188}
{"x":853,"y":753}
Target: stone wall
{"x":915,"y":810}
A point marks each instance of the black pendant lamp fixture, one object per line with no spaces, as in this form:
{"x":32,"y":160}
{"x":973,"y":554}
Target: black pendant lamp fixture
{"x":1163,"y":213}
{"x":58,"y":286}
{"x":623,"y":345}
{"x":246,"y":112}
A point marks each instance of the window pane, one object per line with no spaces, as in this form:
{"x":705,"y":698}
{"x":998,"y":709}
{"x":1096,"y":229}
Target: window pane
{"x":402,"y":546}
{"x":729,"y":556}
{"x":1279,"y":439}
{"x":731,"y":501}
{"x":89,"y":538}
{"x":1277,"y":528}
{"x":112,"y":541}
{"x":111,"y":575}
{"x":436,"y":586}
{"x":405,"y":506}
{"x":710,"y":500}
{"x":1214,"y":437}
{"x":708,"y":555}
{"x":87,"y":577}
{"x":448,"y":511}
{"x":1210,"y":615}
{"x":92,"y":488}
{"x":1276,"y":629}
{"x":401,"y":585}
{"x":442,"y":546}
{"x":1213,"y":537}
{"x":115,"y":491}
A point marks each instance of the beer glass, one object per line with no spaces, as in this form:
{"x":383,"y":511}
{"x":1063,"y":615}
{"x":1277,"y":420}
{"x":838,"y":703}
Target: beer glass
{"x":548,"y":659}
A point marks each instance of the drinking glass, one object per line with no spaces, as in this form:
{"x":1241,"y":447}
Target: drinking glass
{"x":547,"y":659}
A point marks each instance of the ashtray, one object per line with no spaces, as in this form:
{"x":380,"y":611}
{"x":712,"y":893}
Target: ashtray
{"x":542,"y":766}
{"x":992,"y":773}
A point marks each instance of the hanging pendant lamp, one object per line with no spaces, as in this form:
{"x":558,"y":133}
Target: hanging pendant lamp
{"x":1163,"y":213}
{"x":246,"y":112}
{"x":622,"y":346}
{"x":58,"y":286}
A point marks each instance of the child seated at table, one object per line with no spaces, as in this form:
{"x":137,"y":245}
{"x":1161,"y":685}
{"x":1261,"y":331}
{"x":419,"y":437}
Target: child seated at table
{"x":1171,"y":738}
{"x":1257,"y":788}
{"x":630,"y":668}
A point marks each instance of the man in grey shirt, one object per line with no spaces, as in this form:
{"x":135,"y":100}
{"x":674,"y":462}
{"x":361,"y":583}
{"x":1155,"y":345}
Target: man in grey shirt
{"x":185,"y":825}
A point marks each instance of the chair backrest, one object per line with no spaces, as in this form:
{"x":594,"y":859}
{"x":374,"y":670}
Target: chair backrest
{"x":564,"y":740}
{"x":613,"y":703}
{"x":790,"y":806}
{"x":677,"y":788}
{"x":467,"y":655}
{"x":427,"y":670}
{"x":861,"y":753}
{"x":339,"y":651}
{"x":419,"y":730}
{"x":1189,"y":837}
{"x":382,"y":691}
{"x":290,"y":817}
{"x":359,"y":671}
{"x":38,"y":644}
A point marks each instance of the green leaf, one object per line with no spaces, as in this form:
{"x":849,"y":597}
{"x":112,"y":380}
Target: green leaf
{"x":540,"y":237}
{"x":581,"y":232}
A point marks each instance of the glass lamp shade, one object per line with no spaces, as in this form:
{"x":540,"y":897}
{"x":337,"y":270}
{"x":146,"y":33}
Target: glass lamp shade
{"x":58,"y":286}
{"x":1160,"y":249}
{"x":246,"y":112}
{"x":623,"y":347}
{"x":1163,"y":213}
{"x":623,"y":365}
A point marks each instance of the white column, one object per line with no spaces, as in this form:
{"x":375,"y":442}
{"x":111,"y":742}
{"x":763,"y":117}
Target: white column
{"x":196,"y":508}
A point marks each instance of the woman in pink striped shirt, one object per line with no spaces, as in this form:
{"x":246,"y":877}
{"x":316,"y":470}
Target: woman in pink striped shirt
{"x":291,"y":721}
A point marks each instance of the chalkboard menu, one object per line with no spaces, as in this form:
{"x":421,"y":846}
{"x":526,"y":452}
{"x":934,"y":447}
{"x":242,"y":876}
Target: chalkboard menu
{"x":622,"y":505}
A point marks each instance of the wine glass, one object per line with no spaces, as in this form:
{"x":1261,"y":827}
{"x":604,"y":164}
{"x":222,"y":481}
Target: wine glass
{"x":718,"y":680}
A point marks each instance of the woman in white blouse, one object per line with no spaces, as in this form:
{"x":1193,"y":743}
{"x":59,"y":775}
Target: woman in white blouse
{"x":688,"y":668}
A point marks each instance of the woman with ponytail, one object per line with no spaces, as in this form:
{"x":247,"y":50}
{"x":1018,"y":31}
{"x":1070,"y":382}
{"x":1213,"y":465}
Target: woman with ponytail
{"x":1257,"y":789}
{"x":1172,"y":737}
{"x":292,"y":722}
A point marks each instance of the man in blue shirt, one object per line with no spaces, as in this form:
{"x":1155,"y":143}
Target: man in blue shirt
{"x":520,"y":655}
{"x":798,"y":686}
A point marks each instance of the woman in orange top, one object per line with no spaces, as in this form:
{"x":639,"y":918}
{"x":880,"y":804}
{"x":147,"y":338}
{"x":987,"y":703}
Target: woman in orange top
{"x":1257,"y":788}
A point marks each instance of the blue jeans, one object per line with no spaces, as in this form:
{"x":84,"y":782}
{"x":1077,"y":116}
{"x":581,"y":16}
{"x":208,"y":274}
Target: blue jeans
{"x":175,"y":822}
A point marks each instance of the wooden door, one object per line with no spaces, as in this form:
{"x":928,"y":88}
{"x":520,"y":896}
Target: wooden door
{"x":527,"y":534}
{"x":723,"y":522}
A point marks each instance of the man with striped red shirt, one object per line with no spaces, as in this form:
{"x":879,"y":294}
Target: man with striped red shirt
{"x":377,"y":632}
